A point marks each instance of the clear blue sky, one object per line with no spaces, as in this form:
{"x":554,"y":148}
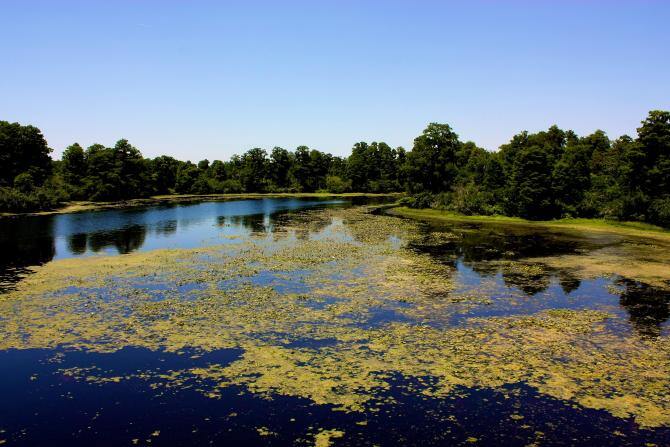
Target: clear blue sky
{"x":206,"y":79}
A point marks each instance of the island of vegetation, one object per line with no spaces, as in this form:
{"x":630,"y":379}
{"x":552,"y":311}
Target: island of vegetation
{"x":546,"y":175}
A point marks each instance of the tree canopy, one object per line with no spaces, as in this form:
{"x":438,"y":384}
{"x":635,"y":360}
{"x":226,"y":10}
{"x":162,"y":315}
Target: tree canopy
{"x":543,"y":175}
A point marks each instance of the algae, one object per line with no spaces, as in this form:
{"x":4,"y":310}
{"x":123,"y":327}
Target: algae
{"x":381,"y":306}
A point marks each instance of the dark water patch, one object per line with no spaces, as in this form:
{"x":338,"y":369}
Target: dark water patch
{"x":648,"y":307}
{"x":311,"y":343}
{"x":131,"y":360}
{"x":60,"y":410}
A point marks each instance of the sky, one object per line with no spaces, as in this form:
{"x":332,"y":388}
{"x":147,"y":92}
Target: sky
{"x":208,"y":79}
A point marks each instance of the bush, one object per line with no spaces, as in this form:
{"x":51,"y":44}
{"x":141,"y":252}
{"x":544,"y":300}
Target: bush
{"x":337,"y":185}
{"x":469,"y":199}
{"x":420,"y":200}
{"x":24,"y":182}
{"x":660,"y":211}
{"x":14,"y":200}
{"x":231,"y":186}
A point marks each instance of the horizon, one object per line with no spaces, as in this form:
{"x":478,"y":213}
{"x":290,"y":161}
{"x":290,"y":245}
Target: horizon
{"x":227,"y":78}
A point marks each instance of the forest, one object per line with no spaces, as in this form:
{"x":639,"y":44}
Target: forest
{"x":545,"y":175}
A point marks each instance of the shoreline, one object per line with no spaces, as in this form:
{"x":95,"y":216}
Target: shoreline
{"x":623,"y":228}
{"x":82,"y":206}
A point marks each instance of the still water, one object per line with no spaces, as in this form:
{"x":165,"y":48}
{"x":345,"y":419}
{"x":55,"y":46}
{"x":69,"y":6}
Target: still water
{"x":296,"y":322}
{"x":30,"y":241}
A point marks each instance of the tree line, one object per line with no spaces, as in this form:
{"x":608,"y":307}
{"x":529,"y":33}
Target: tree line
{"x":544,"y":175}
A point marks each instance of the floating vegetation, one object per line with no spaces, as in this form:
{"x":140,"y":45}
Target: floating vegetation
{"x":332,"y":316}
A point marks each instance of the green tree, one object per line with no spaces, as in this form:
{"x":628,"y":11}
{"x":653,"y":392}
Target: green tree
{"x":431,"y":164}
{"x":530,"y":184}
{"x":571,"y":178}
{"x":73,"y":165}
{"x":132,"y":171}
{"x":187,"y":175}
{"x":654,"y":139}
{"x":23,"y":149}
{"x":254,"y":170}
{"x":163,"y":171}
{"x":103,"y":178}
{"x":281,"y":162}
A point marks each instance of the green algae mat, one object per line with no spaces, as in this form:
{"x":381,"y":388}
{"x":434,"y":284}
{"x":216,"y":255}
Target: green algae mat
{"x":334,"y":326}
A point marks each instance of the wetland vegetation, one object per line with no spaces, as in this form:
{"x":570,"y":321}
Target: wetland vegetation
{"x":314,"y":322}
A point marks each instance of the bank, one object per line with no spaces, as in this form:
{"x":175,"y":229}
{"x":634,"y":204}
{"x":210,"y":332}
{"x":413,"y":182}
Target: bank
{"x":638,"y":229}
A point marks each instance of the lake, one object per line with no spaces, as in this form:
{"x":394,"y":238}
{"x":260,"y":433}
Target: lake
{"x":316,"y":322}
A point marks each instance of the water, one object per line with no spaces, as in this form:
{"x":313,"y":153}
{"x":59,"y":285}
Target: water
{"x":307,"y":325}
{"x":36,"y":240}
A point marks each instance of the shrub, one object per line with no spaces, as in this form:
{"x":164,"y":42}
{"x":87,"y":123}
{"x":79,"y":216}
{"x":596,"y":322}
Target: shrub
{"x":469,"y":199}
{"x":420,"y":200}
{"x":17,"y":201}
{"x":231,"y":186}
{"x":24,"y":182}
{"x":660,"y":211}
{"x":337,"y":185}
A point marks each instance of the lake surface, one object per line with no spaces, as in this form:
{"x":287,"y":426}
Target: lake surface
{"x":304,"y":322}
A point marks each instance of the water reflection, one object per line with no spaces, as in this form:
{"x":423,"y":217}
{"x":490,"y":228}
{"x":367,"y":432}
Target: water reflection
{"x":125,"y":240}
{"x":24,"y":242}
{"x":35,"y":240}
{"x":568,"y":281}
{"x":648,"y":308}
{"x":478,"y":253}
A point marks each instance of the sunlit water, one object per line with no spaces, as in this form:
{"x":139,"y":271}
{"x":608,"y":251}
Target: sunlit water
{"x":41,"y":406}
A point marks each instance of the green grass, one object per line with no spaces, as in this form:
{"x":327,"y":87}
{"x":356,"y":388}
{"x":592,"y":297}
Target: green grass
{"x":628,"y":228}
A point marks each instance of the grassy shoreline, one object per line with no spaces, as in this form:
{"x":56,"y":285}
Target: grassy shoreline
{"x":81,"y":206}
{"x":623,"y":228}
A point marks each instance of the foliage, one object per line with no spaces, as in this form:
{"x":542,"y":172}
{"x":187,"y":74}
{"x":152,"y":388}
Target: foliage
{"x":544,"y":175}
{"x":19,"y":201}
{"x":337,"y":185}
{"x":23,"y":149}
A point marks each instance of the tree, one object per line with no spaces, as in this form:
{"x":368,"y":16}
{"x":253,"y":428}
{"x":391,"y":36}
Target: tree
{"x":23,"y":149}
{"x":571,"y":178}
{"x":301,"y":168}
{"x":254,"y":170}
{"x":133,"y":175}
{"x":74,"y":165}
{"x":187,"y":175}
{"x":360,"y":167}
{"x":432,"y":161}
{"x":281,"y":161}
{"x":203,"y":165}
{"x":164,"y":173}
{"x":103,"y":177}
{"x":654,"y":138}
{"x":530,"y":184}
